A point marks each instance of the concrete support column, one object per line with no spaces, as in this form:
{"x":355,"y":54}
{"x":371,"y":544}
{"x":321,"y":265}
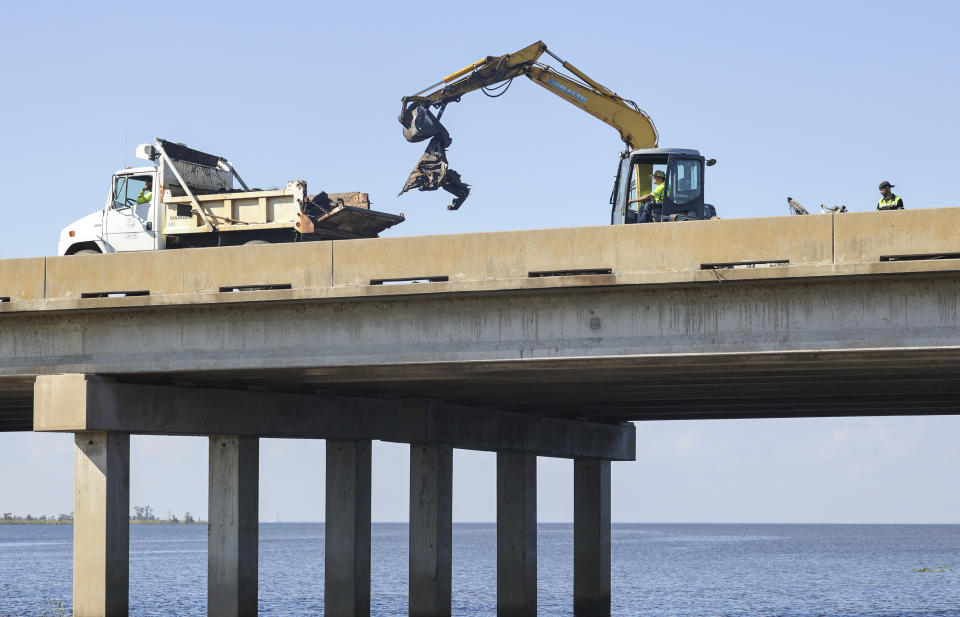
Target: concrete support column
{"x":233,"y":510}
{"x":347,"y":530}
{"x":101,"y":525}
{"x":431,"y":530}
{"x":516,"y":534}
{"x":591,"y":537}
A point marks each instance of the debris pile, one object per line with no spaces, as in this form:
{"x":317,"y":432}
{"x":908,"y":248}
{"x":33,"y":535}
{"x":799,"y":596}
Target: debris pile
{"x":797,"y":208}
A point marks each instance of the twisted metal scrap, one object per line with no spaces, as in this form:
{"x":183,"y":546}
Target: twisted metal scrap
{"x":432,"y":170}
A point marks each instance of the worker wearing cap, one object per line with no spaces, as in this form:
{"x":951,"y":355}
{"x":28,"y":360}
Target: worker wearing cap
{"x":147,"y":193}
{"x":888,"y":201}
{"x":653,"y":199}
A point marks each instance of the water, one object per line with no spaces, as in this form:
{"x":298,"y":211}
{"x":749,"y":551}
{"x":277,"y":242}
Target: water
{"x":658,"y":570}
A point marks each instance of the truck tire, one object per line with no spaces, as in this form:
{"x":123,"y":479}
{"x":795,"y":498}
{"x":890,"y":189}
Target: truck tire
{"x":252,"y":242}
{"x":87,"y":252}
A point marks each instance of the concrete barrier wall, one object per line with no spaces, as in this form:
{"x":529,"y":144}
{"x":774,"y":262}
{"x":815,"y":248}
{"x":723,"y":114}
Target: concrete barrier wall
{"x":871,"y":236}
{"x":853,"y":243}
{"x":620,"y":249}
{"x":191,"y":271}
{"x":21,"y":279}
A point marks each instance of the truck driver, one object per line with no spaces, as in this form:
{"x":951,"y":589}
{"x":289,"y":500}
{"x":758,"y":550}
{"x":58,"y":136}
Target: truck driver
{"x":147,"y":193}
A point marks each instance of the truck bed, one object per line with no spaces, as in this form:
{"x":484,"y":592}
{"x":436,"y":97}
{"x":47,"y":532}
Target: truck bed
{"x":276,"y":209}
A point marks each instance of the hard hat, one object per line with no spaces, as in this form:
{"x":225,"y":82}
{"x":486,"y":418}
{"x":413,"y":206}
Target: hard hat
{"x":885,"y":184}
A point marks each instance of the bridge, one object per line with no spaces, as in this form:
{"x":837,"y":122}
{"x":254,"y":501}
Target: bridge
{"x":525,"y":343}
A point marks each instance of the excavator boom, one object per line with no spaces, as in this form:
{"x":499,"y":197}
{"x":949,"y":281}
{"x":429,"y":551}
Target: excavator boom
{"x":634,"y":125}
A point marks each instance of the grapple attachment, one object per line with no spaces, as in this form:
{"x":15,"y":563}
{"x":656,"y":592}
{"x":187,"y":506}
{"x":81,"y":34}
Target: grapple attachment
{"x":432,"y":171}
{"x":420,"y":124}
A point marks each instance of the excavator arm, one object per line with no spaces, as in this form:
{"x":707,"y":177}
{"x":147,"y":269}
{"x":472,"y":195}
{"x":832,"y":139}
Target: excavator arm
{"x":634,"y":125}
{"x":486,"y":72}
{"x":419,"y":123}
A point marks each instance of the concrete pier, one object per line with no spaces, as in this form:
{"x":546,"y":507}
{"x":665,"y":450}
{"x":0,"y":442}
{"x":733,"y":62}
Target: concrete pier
{"x":102,"y":412}
{"x":347,"y":530}
{"x":431,"y":530}
{"x":101,"y":525}
{"x":591,"y":538}
{"x":516,"y":534}
{"x":233,"y":530}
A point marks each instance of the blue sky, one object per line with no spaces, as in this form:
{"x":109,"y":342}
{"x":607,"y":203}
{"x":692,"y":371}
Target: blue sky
{"x":818,"y":101}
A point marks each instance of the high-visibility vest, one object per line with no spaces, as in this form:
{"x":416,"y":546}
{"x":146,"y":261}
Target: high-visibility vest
{"x":894,"y":203}
{"x":145,"y":196}
{"x":657,"y":193}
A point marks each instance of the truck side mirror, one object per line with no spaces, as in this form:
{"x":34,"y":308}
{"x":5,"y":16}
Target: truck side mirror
{"x":711,"y":162}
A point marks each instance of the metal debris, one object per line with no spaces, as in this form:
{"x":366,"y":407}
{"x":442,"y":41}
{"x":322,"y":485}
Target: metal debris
{"x":432,"y":170}
{"x":796,"y":207}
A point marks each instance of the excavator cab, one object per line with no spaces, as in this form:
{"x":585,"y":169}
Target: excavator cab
{"x":683,"y":192}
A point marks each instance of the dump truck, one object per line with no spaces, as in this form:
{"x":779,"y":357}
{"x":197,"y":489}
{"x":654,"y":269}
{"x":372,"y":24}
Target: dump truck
{"x":187,"y":198}
{"x":683,"y":168}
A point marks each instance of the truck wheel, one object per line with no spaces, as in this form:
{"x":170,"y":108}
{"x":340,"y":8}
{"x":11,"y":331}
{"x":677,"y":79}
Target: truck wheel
{"x":252,"y":242}
{"x":87,"y":252}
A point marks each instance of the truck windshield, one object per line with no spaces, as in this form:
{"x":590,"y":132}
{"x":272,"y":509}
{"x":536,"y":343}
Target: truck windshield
{"x":126,"y":190}
{"x":683,"y":181}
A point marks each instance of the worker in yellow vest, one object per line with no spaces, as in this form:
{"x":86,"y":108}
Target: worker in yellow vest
{"x":888,"y":201}
{"x":147,"y":193}
{"x":652,"y":200}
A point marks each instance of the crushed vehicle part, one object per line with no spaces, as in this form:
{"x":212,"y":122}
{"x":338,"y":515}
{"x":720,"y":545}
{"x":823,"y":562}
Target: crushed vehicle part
{"x":317,"y":205}
{"x":346,"y":214}
{"x":432,"y":170}
{"x":420,"y":124}
{"x":323,"y":203}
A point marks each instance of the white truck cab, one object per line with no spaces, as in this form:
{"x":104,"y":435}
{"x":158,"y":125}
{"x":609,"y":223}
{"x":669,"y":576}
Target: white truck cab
{"x":123,"y":224}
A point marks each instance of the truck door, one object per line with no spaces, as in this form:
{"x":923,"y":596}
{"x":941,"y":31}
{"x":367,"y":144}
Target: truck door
{"x":683,"y":196}
{"x":129,"y":225}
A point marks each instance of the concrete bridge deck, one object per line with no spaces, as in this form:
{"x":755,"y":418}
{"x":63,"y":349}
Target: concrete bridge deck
{"x":822,"y":315}
{"x":534,"y":343}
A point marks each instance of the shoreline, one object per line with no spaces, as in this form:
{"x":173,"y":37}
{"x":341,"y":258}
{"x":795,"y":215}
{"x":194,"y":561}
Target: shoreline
{"x":25,"y":522}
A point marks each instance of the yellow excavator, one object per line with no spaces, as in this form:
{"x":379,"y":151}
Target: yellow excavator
{"x":683,"y":168}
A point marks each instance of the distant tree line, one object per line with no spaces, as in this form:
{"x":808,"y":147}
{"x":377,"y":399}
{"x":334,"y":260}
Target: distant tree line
{"x":141,"y":514}
{"x":9,"y":517}
{"x":145,"y":514}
